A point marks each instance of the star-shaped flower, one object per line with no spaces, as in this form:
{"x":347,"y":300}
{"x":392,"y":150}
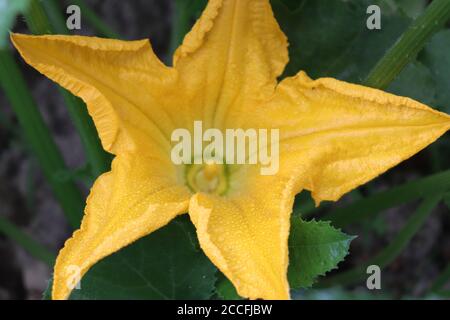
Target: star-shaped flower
{"x":334,"y":136}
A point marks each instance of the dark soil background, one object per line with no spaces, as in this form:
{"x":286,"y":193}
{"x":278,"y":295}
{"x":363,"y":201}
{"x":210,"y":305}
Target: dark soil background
{"x":26,"y":199}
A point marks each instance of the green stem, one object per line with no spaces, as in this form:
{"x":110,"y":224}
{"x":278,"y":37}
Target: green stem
{"x":40,"y":139}
{"x":54,"y":12}
{"x":392,"y":251}
{"x":385,"y":71}
{"x":55,"y":16}
{"x":98,"y":158}
{"x":30,"y":245}
{"x":303,"y":205}
{"x":409,"y":44}
{"x":36,"y":18}
{"x":372,"y":205}
{"x":181,"y":24}
{"x":39,"y":23}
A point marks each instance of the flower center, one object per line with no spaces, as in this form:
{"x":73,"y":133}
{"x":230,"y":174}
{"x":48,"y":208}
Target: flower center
{"x":207,"y":177}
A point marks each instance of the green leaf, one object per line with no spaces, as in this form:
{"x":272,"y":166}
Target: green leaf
{"x":167,"y":264}
{"x":293,"y":4}
{"x":369,"y":207}
{"x":225,"y":289}
{"x":315,"y":248}
{"x":416,"y":82}
{"x":412,"y":8}
{"x":409,"y":44}
{"x":9,"y":9}
{"x":436,"y":56}
{"x":392,"y":250}
{"x":317,"y":33}
{"x":39,"y":138}
{"x":39,"y":23}
{"x":330,"y":38}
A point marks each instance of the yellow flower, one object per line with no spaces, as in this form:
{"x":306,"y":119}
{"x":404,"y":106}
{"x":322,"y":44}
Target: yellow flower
{"x":334,"y":136}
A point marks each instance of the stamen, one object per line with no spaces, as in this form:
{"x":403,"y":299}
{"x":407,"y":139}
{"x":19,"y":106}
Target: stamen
{"x":211,"y":170}
{"x":208,"y":178}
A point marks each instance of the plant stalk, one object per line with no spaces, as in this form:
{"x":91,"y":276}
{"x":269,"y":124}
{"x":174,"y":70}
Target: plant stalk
{"x":409,"y":44}
{"x":39,"y":138}
{"x":39,"y":23}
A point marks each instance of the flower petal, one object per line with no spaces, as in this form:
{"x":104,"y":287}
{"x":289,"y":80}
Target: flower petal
{"x":122,"y":82}
{"x":235,"y":51}
{"x":342,"y":134}
{"x":246,"y":233}
{"x":138,"y":196}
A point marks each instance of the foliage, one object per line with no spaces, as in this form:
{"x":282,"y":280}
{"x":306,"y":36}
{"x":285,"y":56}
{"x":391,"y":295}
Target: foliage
{"x":165,"y":265}
{"x":9,"y":9}
{"x":315,"y":248}
{"x":327,"y":38}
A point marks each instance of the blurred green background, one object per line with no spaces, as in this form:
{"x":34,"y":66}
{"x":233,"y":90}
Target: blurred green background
{"x":402,"y":218}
